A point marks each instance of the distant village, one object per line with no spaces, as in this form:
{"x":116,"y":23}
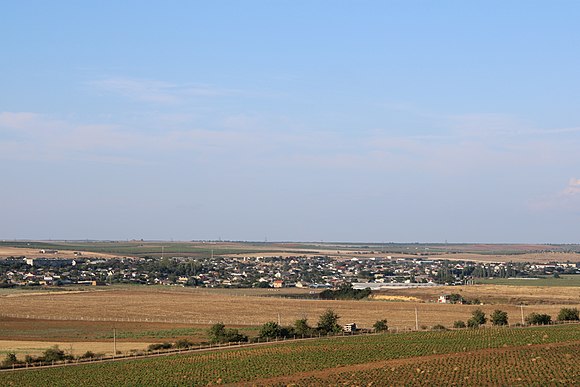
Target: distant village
{"x":263,"y":271}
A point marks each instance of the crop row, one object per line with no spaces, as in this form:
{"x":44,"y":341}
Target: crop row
{"x":286,"y":359}
{"x":554,"y":366}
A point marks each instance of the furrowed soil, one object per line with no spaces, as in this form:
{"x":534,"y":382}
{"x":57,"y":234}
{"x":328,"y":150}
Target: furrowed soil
{"x":428,"y":370}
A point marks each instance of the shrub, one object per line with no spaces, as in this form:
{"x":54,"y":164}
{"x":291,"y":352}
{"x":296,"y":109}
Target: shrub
{"x":459,"y":324}
{"x":472,"y":323}
{"x":439,"y":327}
{"x":53,"y":354}
{"x":10,"y":359}
{"x":183,"y":343}
{"x":270,"y":330}
{"x":159,"y":346}
{"x":381,"y":326}
{"x":302,"y":328}
{"x":568,"y":314}
{"x":538,"y":319}
{"x":219,"y":334}
{"x":88,"y":355}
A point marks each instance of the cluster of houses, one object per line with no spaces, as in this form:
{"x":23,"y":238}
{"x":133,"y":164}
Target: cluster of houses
{"x":267,"y":271}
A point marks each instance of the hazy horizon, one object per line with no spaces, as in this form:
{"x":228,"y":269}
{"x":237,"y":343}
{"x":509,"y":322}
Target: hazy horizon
{"x":291,"y":121}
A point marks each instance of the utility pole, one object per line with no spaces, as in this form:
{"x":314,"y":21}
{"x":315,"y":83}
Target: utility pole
{"x":522,"y":309}
{"x":114,"y":342}
{"x":416,"y":319}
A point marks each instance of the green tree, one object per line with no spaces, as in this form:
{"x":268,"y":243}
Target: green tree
{"x":538,"y":319}
{"x":568,"y":314}
{"x":217,"y":332}
{"x":328,"y":322}
{"x":381,"y":326}
{"x":499,"y":317}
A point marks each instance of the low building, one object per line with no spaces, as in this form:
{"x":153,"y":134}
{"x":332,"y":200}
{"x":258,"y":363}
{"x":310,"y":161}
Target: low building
{"x":349,"y":328}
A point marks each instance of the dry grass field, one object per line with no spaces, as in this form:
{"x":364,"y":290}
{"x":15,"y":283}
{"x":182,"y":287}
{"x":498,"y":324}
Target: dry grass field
{"x":33,"y":321}
{"x":75,"y":348}
{"x":499,"y":294}
{"x":203,"y":307}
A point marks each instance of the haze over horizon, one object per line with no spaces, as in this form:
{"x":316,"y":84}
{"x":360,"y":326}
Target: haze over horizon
{"x":365,"y":121}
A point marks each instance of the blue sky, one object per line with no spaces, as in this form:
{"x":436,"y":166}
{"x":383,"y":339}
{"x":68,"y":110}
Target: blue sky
{"x":290,"y":120}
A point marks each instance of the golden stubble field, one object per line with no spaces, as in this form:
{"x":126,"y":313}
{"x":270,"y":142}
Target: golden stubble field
{"x":203,"y":307}
{"x":31,"y":321}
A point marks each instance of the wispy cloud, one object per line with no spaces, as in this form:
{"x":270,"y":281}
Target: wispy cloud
{"x":16,"y":120}
{"x":567,"y":199}
{"x":573,"y":188}
{"x":158,"y":91}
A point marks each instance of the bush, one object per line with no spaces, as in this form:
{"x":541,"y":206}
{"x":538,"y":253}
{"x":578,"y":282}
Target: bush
{"x":568,"y":314}
{"x":472,"y":323}
{"x":439,"y":327}
{"x":302,"y":328}
{"x":538,"y":319}
{"x":499,"y":317}
{"x":10,"y":359}
{"x":381,"y":326}
{"x":219,"y":334}
{"x":183,"y":343}
{"x":53,"y":354}
{"x":459,"y":324}
{"x":270,"y":330}
{"x":159,"y":346}
{"x":88,"y":355}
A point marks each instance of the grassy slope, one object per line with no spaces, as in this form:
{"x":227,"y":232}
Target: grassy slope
{"x":286,"y":359}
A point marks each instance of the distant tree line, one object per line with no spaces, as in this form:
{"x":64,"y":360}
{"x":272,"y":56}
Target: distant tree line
{"x":345,"y":292}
